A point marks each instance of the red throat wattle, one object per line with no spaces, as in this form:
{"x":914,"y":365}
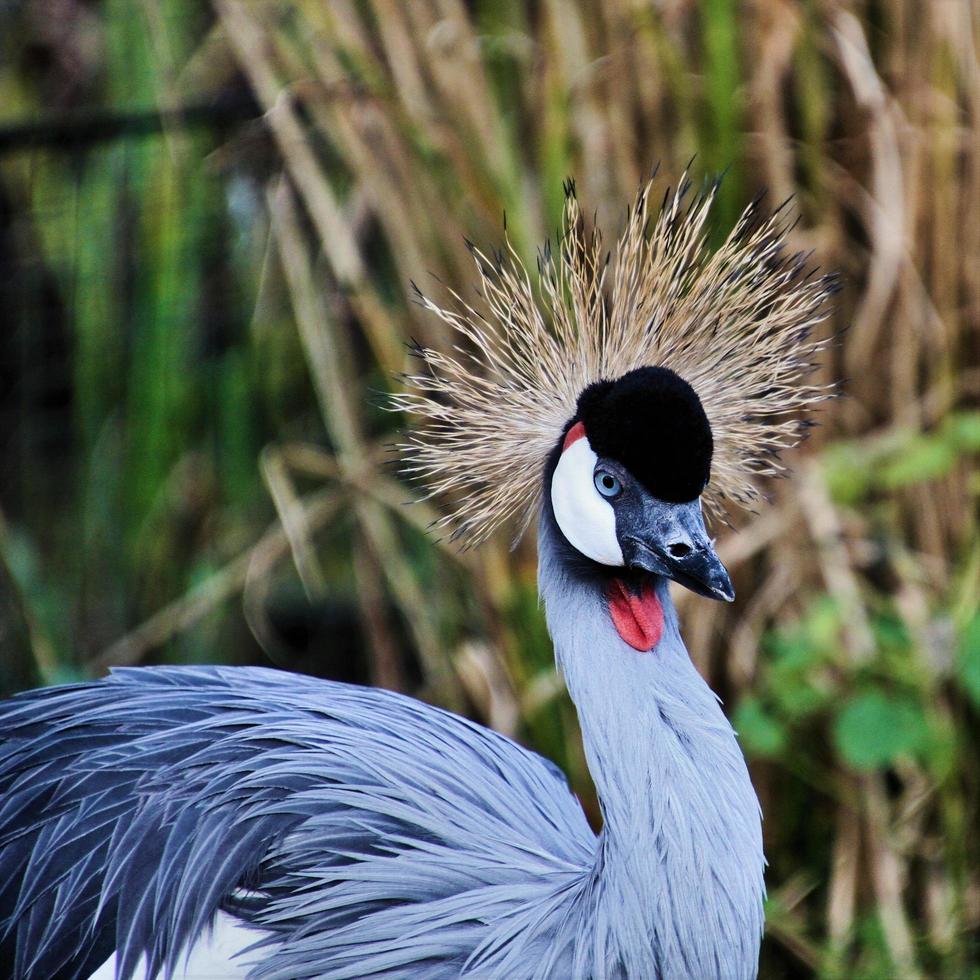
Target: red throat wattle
{"x":639,"y":619}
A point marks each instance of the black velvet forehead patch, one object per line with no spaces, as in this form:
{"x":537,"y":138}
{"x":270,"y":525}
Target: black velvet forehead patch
{"x":651,"y":420}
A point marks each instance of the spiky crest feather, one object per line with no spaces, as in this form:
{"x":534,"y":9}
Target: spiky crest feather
{"x":735,"y":323}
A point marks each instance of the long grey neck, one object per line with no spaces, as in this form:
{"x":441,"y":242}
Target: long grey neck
{"x":677,"y":882}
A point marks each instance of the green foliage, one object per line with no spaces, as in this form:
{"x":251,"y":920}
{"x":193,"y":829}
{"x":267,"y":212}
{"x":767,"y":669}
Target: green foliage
{"x":904,"y":457}
{"x":873,"y":730}
{"x":969,"y":659}
{"x":760,"y":733}
{"x":723,"y":124}
{"x":798,"y":684}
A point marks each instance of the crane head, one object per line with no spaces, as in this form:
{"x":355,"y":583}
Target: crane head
{"x":626,"y":487}
{"x":536,"y":362}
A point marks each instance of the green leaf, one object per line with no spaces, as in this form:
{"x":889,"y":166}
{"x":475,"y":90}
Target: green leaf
{"x":759,"y":732}
{"x":822,"y":624}
{"x":848,"y":476}
{"x":964,"y":430}
{"x":923,"y":458}
{"x":873,"y":729}
{"x":890,"y":632}
{"x":798,"y":697}
{"x":968,"y":667}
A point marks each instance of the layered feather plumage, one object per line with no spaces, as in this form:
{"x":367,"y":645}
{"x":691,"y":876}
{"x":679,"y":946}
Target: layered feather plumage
{"x":360,"y":832}
{"x":736,"y":323}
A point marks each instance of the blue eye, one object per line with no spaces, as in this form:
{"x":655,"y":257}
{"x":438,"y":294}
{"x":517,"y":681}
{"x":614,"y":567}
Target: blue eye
{"x":607,"y":484}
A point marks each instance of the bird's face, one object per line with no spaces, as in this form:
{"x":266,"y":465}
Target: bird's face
{"x":625,"y":491}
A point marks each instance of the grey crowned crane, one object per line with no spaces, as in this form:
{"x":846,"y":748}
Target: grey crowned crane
{"x":239,"y":822}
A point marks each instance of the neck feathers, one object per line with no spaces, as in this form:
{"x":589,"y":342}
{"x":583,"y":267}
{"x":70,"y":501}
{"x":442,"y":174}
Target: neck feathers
{"x":678,"y":873}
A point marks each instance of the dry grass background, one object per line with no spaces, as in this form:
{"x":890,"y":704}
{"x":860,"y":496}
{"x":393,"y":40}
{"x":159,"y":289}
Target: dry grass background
{"x":384,"y":133}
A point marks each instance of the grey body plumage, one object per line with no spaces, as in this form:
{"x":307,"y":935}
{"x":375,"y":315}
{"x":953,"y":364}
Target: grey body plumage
{"x":375,"y":835}
{"x":378,"y":836}
{"x":359,"y":833}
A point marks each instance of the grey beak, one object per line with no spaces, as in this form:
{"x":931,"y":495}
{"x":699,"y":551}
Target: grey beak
{"x":671,"y":540}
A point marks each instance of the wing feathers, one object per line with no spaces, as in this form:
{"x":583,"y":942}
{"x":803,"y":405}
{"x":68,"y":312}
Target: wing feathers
{"x":329,"y":819}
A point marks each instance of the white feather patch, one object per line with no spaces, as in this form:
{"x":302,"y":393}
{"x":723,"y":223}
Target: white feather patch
{"x":212,"y":957}
{"x":585,"y":517}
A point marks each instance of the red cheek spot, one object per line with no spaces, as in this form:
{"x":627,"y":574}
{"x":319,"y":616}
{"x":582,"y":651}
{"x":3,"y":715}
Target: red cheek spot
{"x":639,"y":619}
{"x":576,"y":432}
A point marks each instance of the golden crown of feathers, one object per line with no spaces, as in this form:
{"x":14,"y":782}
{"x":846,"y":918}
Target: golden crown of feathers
{"x":735,"y":323}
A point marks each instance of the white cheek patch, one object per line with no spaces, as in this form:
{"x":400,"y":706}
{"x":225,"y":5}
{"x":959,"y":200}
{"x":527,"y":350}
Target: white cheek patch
{"x":585,"y":517}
